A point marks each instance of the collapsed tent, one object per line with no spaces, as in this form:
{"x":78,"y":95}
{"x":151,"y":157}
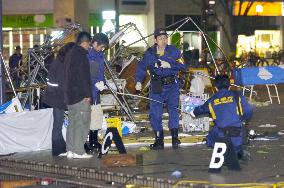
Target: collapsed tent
{"x":26,"y":131}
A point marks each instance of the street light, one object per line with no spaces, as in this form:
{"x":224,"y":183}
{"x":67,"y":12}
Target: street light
{"x":108,"y":25}
{"x":212,"y":2}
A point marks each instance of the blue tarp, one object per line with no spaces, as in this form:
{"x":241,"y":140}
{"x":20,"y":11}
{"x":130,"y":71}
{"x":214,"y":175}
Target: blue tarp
{"x":258,"y":75}
{"x":4,"y":106}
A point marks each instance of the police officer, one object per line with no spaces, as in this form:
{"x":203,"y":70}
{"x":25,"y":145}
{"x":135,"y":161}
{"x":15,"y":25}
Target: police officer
{"x":164,"y":62}
{"x":14,"y":62}
{"x":228,"y":109}
{"x":16,"y":58}
{"x":96,"y":57}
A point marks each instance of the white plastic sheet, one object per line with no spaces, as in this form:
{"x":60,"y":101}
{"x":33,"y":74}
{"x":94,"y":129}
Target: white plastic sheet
{"x":26,"y":131}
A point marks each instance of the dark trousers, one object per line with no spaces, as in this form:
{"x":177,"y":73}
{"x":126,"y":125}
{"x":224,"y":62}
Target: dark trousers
{"x":170,"y":96}
{"x":58,"y":142}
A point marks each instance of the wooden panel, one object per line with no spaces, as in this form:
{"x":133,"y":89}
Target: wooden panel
{"x":19,"y":183}
{"x":117,"y":160}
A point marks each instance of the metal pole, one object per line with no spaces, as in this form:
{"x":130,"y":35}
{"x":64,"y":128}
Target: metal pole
{"x":203,"y":35}
{"x":114,"y":94}
{"x":116,"y":6}
{"x":126,"y":107}
{"x":204,"y":21}
{"x":208,"y":76}
{"x":2,"y":79}
{"x":29,"y":94}
{"x":7,"y":73}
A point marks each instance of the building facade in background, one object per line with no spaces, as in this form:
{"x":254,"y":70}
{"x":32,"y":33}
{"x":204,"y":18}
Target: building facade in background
{"x":27,"y":22}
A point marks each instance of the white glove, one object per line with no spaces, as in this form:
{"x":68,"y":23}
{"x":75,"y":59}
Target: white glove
{"x":192,"y":114}
{"x":100,"y":85}
{"x":165,"y":65}
{"x":138,"y":86}
{"x":156,"y":65}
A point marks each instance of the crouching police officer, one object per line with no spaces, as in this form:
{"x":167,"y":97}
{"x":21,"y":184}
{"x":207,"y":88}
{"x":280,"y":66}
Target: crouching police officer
{"x":164,"y":62}
{"x":228,"y":110}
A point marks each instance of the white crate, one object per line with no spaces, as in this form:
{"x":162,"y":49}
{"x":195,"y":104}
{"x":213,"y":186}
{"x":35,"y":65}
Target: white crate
{"x":188,"y":103}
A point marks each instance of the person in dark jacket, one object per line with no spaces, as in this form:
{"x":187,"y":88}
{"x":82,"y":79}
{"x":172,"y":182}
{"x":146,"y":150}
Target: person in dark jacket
{"x":14,"y":63}
{"x":228,"y":109}
{"x":54,"y":97}
{"x":77,"y":95}
{"x":16,"y":58}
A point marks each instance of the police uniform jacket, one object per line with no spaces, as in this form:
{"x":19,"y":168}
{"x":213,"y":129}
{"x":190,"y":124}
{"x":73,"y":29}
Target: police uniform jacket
{"x":171,"y":54}
{"x":227,"y":108}
{"x":14,"y":60}
{"x":97,"y":68}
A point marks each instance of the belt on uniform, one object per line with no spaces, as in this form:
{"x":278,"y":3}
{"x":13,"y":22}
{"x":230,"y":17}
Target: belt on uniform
{"x":231,"y":131}
{"x":168,"y":80}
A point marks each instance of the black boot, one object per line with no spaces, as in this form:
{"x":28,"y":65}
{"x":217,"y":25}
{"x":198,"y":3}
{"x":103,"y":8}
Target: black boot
{"x":159,"y":141}
{"x":95,"y":143}
{"x":89,"y":143}
{"x":175,"y":140}
{"x":244,"y":155}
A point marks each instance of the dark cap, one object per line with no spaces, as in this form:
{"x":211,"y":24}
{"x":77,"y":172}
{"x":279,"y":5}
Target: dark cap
{"x":18,"y":48}
{"x":100,"y":38}
{"x":159,"y":32}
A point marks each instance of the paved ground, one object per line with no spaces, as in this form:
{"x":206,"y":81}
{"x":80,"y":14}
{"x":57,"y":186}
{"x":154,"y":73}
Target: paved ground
{"x":266,"y":165}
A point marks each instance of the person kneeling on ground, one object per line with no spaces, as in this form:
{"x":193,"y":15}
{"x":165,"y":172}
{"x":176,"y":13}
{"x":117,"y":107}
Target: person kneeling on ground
{"x":228,"y":109}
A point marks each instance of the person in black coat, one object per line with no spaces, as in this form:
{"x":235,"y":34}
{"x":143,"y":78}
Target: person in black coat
{"x":54,"y":97}
{"x":77,"y":95}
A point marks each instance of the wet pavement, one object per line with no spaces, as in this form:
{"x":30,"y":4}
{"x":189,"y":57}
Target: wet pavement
{"x":266,"y":167}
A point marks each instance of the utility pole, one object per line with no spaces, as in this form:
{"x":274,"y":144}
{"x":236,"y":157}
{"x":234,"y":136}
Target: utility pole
{"x":116,"y":5}
{"x":204,"y":24}
{"x":2,"y":77}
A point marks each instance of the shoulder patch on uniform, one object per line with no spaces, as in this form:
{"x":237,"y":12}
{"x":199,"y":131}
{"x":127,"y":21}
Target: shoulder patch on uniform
{"x":180,"y":60}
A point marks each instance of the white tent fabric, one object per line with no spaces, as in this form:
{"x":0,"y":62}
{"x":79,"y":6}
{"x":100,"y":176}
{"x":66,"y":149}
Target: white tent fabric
{"x":26,"y":131}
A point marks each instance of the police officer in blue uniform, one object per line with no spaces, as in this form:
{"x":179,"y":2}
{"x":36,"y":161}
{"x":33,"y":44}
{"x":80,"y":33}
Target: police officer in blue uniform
{"x":96,"y":57}
{"x":14,"y":62}
{"x":164,"y":62}
{"x":228,"y":110}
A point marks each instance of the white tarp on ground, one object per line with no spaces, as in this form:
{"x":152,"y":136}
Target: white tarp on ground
{"x":26,"y":131}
